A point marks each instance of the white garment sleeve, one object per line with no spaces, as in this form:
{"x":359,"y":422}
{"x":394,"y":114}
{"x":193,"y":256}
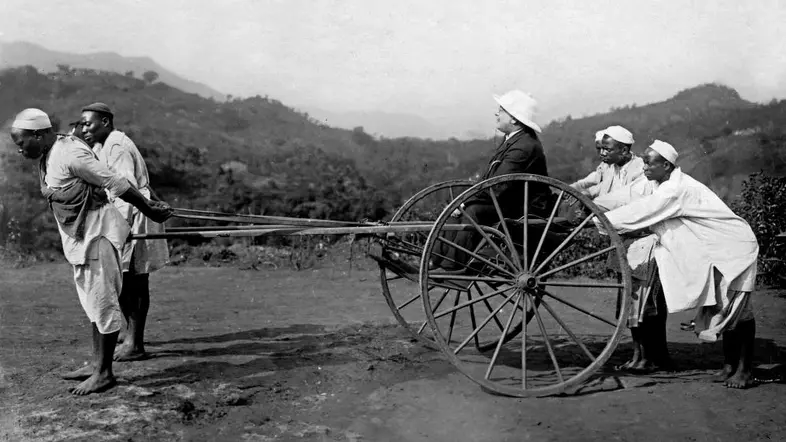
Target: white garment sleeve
{"x":593,"y":179}
{"x":85,"y":165}
{"x":645,"y":212}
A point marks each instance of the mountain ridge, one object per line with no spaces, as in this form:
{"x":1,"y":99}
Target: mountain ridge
{"x":21,"y":53}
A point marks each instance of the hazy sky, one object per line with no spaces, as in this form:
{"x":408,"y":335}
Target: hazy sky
{"x":441,"y":59}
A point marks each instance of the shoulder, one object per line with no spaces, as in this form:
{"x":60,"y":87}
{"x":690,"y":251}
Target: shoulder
{"x":71,"y":145}
{"x":118,"y":138}
{"x":636,"y":162}
{"x":525,"y":144}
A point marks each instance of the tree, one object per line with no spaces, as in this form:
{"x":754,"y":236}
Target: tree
{"x":150,"y":76}
{"x":129,"y":73}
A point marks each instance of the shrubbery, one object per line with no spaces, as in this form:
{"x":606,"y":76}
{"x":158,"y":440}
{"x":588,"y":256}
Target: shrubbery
{"x":763,"y":205}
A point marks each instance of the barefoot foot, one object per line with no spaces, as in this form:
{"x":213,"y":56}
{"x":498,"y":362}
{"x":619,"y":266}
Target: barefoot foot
{"x":724,"y":374}
{"x":79,"y":374}
{"x":644,"y":366}
{"x":94,"y":384}
{"x":626,"y":365}
{"x":127,"y":353}
{"x":740,"y":380}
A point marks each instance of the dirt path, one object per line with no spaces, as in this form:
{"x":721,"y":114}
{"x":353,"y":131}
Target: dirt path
{"x":315,"y":355}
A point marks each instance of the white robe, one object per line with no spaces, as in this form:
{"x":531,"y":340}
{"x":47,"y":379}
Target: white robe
{"x":697,"y":233}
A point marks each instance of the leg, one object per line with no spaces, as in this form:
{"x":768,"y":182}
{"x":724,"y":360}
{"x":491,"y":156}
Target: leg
{"x":102,"y":377}
{"x":483,"y":215}
{"x":745,"y":339}
{"x":659,"y":344}
{"x":730,"y":356}
{"x":83,"y":373}
{"x":127,"y":302}
{"x":135,"y":303}
{"x":98,"y":283}
{"x":635,"y":333}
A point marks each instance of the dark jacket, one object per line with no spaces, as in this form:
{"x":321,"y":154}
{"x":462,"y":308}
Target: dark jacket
{"x":522,"y":153}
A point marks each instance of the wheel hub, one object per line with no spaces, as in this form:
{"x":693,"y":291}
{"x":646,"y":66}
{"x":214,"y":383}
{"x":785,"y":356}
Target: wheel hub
{"x":526,"y":281}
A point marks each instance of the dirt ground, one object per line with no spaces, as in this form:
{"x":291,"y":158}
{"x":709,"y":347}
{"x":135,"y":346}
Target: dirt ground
{"x":316,"y":355}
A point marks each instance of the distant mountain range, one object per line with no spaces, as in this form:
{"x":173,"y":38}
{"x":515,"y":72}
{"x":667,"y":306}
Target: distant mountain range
{"x":19,"y":53}
{"x":384,"y":124}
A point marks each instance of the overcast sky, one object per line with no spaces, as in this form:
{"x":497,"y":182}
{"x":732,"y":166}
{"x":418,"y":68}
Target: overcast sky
{"x":441,"y":59}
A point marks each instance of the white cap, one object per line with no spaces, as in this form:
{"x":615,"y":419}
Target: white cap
{"x":620,"y":134}
{"x":32,"y":119}
{"x":520,"y":106}
{"x":598,"y":136}
{"x":665,"y":150}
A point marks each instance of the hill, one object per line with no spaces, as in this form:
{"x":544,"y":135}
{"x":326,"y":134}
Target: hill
{"x":15,"y":54}
{"x":258,"y":155}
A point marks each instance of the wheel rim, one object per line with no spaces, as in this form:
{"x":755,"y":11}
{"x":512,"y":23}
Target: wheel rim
{"x":578,"y":324}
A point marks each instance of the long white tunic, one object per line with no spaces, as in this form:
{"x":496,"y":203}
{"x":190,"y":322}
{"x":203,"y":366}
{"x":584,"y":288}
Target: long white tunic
{"x":697,"y":233}
{"x":122,"y":156}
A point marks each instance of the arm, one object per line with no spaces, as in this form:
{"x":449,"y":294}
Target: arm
{"x":591,"y":180}
{"x":645,"y":212}
{"x":156,"y":210}
{"x":86,"y":166}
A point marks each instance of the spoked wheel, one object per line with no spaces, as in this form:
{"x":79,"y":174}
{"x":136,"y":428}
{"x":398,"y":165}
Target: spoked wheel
{"x":403,"y":294}
{"x":542,"y":271}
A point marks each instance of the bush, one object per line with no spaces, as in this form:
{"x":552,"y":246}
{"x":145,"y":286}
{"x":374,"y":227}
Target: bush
{"x":762,"y":204}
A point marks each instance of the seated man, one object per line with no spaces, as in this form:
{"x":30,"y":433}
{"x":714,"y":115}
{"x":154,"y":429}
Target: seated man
{"x":706,"y":255}
{"x":520,"y":152}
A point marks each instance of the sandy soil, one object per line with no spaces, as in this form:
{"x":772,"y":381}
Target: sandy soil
{"x":316,"y":355}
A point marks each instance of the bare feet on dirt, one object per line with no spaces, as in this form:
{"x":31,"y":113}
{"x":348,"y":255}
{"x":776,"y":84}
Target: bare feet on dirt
{"x":724,"y":374}
{"x":127,"y":353}
{"x":94,"y":384}
{"x":740,"y":380}
{"x":78,"y":374}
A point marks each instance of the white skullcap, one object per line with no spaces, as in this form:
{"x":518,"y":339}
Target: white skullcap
{"x":620,"y":134}
{"x":665,"y":150}
{"x":32,"y":119}
{"x":598,"y":136}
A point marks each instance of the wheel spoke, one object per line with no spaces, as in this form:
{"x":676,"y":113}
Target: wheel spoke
{"x":488,"y":239}
{"x":409,"y":301}
{"x":524,"y":324}
{"x":565,"y":327}
{"x":564,"y":243}
{"x":508,"y":238}
{"x":605,"y":285}
{"x":546,"y":230}
{"x":488,"y":306}
{"x":577,"y":262}
{"x":434,"y":309}
{"x":448,"y":276}
{"x":472,"y":319}
{"x":525,"y":246}
{"x":581,"y":309}
{"x":394,"y":277}
{"x":476,"y":256}
{"x":483,"y":324}
{"x":548,"y":343}
{"x":502,"y":336}
{"x":453,"y":315}
{"x":462,"y":305}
